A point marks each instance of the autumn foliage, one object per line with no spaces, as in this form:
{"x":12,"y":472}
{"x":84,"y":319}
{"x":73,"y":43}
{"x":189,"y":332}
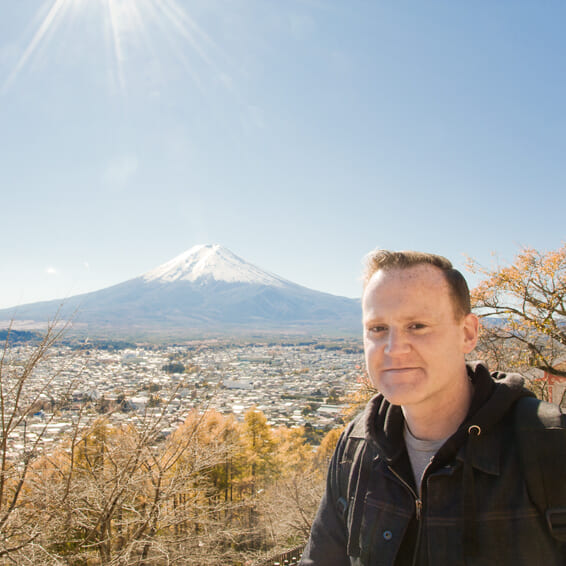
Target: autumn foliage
{"x":216,"y":491}
{"x":523,"y":306}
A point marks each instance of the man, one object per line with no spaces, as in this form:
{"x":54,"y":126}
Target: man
{"x":430,"y":473}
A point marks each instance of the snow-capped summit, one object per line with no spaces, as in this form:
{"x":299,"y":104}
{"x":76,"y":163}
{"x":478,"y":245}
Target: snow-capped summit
{"x":205,"y":290}
{"x":212,"y":261}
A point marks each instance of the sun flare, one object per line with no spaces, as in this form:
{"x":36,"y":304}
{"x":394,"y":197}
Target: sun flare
{"x":123,"y":27}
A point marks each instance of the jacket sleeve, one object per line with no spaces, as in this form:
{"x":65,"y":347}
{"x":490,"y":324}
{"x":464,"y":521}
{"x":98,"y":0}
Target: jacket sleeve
{"x":327,"y":544}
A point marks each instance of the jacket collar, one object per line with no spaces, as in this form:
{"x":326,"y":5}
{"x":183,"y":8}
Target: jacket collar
{"x":382,"y":423}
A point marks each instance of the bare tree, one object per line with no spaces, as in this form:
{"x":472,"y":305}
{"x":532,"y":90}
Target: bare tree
{"x":134,"y":498}
{"x":20,"y":396}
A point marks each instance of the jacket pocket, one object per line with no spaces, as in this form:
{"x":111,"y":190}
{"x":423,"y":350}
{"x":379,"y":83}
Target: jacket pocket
{"x":382,"y":529}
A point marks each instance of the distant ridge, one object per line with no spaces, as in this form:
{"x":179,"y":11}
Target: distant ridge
{"x":205,"y":290}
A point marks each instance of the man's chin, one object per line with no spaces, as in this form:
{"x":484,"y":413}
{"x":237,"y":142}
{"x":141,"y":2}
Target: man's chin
{"x":402,"y":393}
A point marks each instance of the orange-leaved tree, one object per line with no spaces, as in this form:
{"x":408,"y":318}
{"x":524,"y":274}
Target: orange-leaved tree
{"x":523,"y":307}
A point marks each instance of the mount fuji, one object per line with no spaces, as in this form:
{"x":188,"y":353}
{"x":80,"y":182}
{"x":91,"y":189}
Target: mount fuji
{"x":205,"y":290}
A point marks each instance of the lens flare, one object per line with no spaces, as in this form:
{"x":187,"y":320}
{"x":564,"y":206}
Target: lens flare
{"x":51,"y":19}
{"x":123,"y":24}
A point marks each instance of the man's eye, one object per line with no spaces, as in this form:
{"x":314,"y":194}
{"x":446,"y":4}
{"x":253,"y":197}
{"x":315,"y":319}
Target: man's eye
{"x":417,"y":326}
{"x":377,"y":329}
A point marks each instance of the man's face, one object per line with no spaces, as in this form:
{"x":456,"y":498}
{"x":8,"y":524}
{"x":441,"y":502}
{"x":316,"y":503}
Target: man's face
{"x":414,"y":343}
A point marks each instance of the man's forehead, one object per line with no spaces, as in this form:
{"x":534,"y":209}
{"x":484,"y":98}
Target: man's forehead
{"x":411,"y":292}
{"x":421,"y":274}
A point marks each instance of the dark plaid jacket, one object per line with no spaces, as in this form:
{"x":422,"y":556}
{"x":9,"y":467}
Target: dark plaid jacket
{"x":474,"y":509}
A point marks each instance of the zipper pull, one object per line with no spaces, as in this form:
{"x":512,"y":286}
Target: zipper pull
{"x":418,"y":508}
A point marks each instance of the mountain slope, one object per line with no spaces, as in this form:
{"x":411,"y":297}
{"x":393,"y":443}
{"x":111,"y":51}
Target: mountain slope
{"x":206,"y":289}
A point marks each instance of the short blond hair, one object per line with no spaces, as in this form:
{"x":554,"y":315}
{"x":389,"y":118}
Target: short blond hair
{"x":384,"y":260}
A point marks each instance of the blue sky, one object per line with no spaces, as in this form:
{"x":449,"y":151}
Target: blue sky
{"x":299,"y":134}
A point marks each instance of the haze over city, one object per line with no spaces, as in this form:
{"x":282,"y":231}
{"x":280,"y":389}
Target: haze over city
{"x":298,"y":134}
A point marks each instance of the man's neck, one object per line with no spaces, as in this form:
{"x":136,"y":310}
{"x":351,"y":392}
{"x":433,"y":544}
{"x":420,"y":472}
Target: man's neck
{"x":441,"y":419}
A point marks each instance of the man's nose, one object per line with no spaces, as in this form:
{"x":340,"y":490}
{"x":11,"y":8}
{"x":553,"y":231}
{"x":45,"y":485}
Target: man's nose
{"x":397,"y":342}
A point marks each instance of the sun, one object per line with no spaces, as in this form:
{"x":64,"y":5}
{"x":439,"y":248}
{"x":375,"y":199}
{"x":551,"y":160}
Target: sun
{"x":124,"y":25}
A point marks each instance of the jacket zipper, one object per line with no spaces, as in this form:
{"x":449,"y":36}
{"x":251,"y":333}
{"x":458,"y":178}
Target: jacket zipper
{"x":418,"y":512}
{"x":418,"y":501}
{"x":419,"y":508}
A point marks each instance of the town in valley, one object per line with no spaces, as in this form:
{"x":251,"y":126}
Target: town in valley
{"x":294,"y":383}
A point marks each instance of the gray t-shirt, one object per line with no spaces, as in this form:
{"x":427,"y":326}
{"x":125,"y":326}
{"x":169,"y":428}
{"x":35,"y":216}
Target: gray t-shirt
{"x":421,"y":452}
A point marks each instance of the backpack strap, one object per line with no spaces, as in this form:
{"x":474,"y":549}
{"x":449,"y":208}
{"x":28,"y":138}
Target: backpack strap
{"x":542,"y":449}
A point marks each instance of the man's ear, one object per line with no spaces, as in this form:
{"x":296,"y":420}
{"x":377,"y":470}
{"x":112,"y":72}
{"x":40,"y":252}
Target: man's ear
{"x":471,"y":331}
